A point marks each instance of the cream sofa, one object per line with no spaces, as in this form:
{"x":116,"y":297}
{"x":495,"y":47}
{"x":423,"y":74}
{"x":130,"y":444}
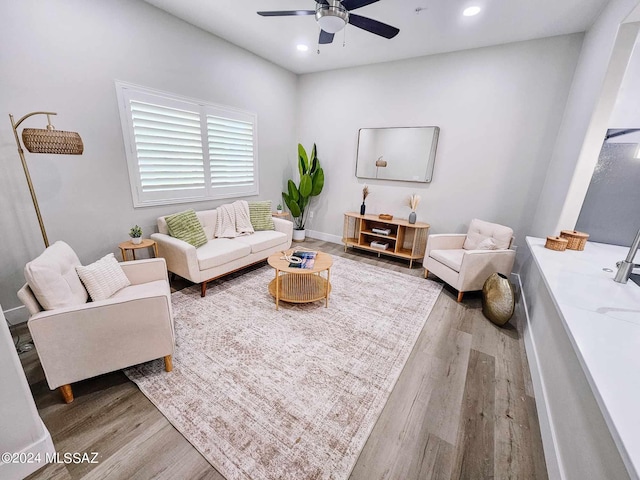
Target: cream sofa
{"x":76,"y":339}
{"x":219,"y":256}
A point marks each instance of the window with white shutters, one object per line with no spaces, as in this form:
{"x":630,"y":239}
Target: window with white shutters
{"x":184,"y":150}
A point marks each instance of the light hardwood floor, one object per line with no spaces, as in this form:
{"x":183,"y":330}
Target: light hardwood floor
{"x":463,"y":408}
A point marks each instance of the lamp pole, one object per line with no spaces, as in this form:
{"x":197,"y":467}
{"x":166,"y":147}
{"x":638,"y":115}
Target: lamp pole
{"x":15,"y":126}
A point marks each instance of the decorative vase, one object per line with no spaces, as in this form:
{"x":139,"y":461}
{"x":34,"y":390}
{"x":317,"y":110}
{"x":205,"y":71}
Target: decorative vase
{"x":299,"y":235}
{"x":363,"y":207}
{"x":136,"y":240}
{"x":498,"y":299}
{"x":412,"y":217}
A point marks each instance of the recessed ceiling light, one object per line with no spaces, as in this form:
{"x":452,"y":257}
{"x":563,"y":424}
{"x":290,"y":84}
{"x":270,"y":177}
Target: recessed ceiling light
{"x":302,"y":48}
{"x":471,"y":11}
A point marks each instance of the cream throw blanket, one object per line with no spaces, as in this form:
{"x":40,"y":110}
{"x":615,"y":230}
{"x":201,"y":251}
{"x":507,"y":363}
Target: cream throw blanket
{"x":233,"y":220}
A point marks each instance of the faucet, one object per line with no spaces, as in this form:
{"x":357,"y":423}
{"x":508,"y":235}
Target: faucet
{"x":626,"y":266}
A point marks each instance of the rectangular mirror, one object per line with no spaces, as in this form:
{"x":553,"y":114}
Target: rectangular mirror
{"x":405,"y":154}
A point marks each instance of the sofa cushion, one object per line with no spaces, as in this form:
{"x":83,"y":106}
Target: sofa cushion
{"x":103,"y":277}
{"x":450,"y":258}
{"x":53,"y":279}
{"x":260,"y":215}
{"x":186,"y":226}
{"x":260,"y":241}
{"x":480,"y":230}
{"x":220,"y":251}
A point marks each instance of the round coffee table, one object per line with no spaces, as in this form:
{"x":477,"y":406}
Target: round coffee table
{"x":300,"y":285}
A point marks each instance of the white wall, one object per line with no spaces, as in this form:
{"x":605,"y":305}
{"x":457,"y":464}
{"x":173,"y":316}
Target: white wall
{"x":498,"y":108}
{"x":64,"y":56}
{"x":589,"y":105}
{"x":626,"y":113}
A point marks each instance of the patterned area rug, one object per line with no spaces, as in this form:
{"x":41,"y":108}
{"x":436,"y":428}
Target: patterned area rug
{"x":293,"y":393}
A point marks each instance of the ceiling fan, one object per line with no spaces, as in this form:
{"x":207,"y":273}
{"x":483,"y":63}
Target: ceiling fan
{"x":333,"y":15}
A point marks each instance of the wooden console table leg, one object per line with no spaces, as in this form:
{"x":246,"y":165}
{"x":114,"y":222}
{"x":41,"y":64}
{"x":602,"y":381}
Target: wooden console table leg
{"x":168,"y":363}
{"x":67,"y":393}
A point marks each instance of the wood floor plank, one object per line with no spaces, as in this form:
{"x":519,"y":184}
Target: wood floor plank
{"x":443,"y":410}
{"x":475,"y":452}
{"x":436,"y":424}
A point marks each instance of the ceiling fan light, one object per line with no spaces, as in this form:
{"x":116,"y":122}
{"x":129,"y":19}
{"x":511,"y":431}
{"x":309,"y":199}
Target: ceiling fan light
{"x":332,"y":17}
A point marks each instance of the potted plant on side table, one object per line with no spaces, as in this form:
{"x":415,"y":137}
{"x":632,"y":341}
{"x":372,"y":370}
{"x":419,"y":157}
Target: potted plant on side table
{"x":297,"y":197}
{"x":136,"y":235}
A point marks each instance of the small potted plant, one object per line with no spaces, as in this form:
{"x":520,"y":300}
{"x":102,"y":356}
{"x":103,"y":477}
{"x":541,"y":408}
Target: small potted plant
{"x":279,"y":208}
{"x":136,"y":235}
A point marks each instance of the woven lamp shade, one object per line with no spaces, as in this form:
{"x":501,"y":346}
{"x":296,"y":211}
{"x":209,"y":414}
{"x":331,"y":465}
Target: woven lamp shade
{"x":40,"y":140}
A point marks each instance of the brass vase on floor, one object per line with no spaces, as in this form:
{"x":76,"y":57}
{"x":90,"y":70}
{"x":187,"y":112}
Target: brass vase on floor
{"x":498,"y":299}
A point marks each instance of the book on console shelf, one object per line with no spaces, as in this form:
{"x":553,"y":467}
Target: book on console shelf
{"x":382,"y":231}
{"x":308,"y":259}
{"x":379,"y":245}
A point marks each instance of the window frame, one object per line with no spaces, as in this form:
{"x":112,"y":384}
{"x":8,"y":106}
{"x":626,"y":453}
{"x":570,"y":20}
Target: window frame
{"x":126,"y":92}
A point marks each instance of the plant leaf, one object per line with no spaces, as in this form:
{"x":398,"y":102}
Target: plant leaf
{"x":318,"y":182}
{"x":306,"y":185}
{"x":292,"y":205}
{"x":293,"y":191}
{"x":313,"y":160}
{"x":303,"y":164}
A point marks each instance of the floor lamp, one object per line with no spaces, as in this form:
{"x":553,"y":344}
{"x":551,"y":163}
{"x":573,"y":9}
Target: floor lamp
{"x":40,"y":140}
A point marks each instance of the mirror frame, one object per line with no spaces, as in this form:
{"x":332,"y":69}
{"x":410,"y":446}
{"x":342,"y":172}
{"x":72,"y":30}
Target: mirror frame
{"x":430,"y":158}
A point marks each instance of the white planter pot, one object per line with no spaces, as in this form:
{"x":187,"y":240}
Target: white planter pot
{"x":299,"y":235}
{"x":136,"y":241}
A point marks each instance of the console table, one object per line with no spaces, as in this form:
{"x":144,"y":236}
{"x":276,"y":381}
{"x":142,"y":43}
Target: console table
{"x":405,"y":240}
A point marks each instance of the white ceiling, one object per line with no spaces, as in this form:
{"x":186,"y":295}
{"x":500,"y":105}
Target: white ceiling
{"x":440,"y":27}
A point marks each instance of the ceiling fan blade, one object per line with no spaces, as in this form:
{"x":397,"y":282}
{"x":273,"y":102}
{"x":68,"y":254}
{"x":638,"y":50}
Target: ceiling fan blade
{"x":325,"y":37}
{"x":287,"y":13}
{"x":353,"y":4}
{"x":373,"y":26}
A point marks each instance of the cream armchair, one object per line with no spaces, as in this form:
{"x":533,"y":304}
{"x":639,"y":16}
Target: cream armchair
{"x":76,"y":339}
{"x":465,"y":261}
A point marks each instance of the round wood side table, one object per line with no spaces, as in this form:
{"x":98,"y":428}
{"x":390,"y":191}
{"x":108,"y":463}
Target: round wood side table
{"x":128,"y":245}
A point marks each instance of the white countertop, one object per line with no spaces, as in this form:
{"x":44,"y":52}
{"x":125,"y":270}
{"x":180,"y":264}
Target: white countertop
{"x":602,"y":318}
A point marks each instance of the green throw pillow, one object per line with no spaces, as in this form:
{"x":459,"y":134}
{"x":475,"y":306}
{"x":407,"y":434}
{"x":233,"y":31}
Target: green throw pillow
{"x":186,"y":226}
{"x":260,"y":215}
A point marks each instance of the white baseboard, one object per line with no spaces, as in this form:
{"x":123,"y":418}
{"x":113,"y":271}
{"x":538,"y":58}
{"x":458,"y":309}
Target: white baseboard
{"x":326,"y":237}
{"x":16,"y":315}
{"x":547,"y":432}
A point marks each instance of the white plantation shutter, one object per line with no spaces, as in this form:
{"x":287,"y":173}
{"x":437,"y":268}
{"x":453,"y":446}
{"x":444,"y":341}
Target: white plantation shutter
{"x":169,"y":147}
{"x":183,"y":150}
{"x":230,"y":152}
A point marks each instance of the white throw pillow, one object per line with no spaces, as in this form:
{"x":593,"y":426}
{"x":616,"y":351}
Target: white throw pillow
{"x":487,"y":244}
{"x":103,"y":278}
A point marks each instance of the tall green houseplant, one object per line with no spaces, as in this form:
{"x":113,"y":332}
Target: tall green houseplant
{"x":311,"y":183}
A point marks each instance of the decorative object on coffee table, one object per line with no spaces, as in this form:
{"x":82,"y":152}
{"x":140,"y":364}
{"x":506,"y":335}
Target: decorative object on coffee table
{"x":365,"y":194}
{"x":576,"y":240}
{"x":414,"y":200}
{"x":498,"y":299}
{"x":556,"y":243}
{"x":136,"y":235}
{"x":144,"y":243}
